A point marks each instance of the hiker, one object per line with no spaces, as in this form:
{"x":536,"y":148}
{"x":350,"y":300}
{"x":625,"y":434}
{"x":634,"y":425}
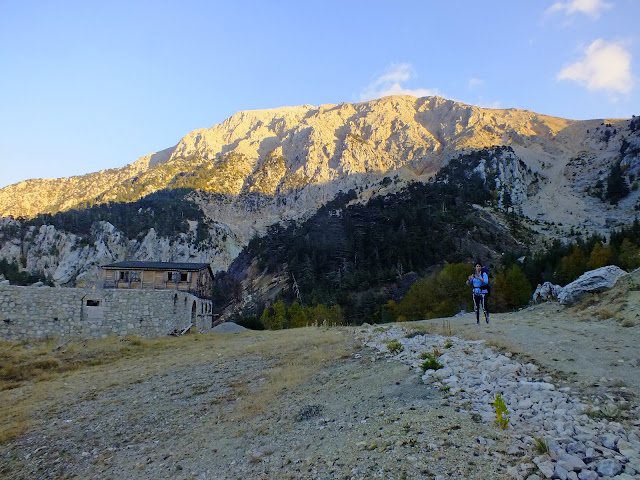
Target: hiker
{"x":480,"y":283}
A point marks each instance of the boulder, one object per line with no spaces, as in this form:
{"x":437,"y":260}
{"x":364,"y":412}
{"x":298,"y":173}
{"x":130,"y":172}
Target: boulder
{"x":609,"y":467}
{"x":546,"y":292}
{"x":594,"y":281}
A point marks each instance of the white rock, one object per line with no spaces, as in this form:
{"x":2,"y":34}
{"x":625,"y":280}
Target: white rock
{"x":594,"y":281}
{"x":546,"y":292}
{"x":547,"y":469}
{"x":627,"y":449}
{"x":588,"y":475}
{"x":609,"y":440}
{"x":624,"y":476}
{"x":561,"y":472}
{"x":571,"y":463}
{"x":525,"y":404}
{"x":609,"y":467}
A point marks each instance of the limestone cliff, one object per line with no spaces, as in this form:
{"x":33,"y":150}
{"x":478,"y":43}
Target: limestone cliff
{"x":280,"y":150}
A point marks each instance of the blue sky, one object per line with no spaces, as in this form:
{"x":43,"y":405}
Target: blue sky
{"x":94,"y":85}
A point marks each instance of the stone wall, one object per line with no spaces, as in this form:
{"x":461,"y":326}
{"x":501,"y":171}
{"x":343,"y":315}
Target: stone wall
{"x":40,"y":312}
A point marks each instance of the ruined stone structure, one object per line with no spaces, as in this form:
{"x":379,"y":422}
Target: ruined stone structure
{"x":40,"y":312}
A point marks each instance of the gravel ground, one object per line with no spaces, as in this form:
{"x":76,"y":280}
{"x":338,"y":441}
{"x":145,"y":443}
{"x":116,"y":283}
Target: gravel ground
{"x":359,"y":415}
{"x":362,"y":416}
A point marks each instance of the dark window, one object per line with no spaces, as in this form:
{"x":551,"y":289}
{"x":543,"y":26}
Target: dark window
{"x":183,"y":276}
{"x":94,"y":303}
{"x":172,"y":277}
{"x":124,"y":276}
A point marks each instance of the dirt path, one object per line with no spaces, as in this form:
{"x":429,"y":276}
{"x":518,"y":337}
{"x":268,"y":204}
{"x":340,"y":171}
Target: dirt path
{"x":596,"y":356}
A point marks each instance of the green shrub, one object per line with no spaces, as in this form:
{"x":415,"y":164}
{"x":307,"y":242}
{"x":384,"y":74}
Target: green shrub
{"x":394,"y":347}
{"x":502,"y":414}
{"x":431,"y":362}
{"x":541,"y":446}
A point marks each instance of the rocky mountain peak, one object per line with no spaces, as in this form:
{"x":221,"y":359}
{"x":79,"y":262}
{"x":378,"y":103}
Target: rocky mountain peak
{"x":314,"y":144}
{"x":260,"y":167}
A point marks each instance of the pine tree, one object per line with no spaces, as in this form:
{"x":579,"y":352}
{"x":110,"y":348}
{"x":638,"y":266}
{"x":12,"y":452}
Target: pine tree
{"x":617,"y":187}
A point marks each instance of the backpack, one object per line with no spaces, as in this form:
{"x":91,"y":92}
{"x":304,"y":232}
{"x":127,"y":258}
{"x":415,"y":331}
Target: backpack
{"x":488,"y":286}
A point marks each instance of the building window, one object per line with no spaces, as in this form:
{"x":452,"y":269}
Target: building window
{"x":172,"y":277}
{"x":93,"y":303}
{"x":135,"y":276}
{"x":124,"y":276}
{"x":184,"y":277}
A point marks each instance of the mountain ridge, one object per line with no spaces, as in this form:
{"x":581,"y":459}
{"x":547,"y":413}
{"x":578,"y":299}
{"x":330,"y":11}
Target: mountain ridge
{"x":262,"y":167}
{"x":317,"y":143}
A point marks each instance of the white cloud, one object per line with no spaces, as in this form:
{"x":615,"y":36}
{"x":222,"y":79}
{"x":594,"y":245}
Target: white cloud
{"x":484,"y":103}
{"x":592,"y":8}
{"x":390,"y":83}
{"x":605,"y":66}
{"x":475,"y":83}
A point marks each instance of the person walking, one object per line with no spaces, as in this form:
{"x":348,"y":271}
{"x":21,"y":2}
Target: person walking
{"x":480,"y":283}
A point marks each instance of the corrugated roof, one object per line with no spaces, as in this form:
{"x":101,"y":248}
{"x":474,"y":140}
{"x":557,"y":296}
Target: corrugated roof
{"x":158,"y":266}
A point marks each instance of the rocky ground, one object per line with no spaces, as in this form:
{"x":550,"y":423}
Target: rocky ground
{"x":337,"y":404}
{"x":558,"y":426}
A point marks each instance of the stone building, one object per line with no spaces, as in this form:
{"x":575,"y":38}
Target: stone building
{"x":194,"y":278}
{"x":42,"y":312}
{"x":138,"y":298}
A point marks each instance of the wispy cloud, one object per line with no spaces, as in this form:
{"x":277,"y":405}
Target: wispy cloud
{"x":592,"y":8}
{"x":391,"y":83}
{"x":605,"y":66}
{"x":484,"y":103}
{"x":474,"y":83}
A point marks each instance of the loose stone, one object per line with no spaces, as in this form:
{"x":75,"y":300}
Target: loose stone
{"x":537,"y":412}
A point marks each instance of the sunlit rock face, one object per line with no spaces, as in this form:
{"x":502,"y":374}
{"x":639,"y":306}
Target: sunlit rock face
{"x":260,"y":167}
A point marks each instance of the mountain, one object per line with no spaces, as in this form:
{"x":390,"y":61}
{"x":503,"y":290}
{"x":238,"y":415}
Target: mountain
{"x":260,"y":167}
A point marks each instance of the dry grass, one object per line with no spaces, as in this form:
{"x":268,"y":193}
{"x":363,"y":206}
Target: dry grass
{"x":428,"y":327}
{"x":605,"y":314}
{"x":584,"y":304}
{"x":37,"y":377}
{"x":295,"y":356}
{"x":22,"y":362}
{"x":498,"y":343}
{"x":421,"y":328}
